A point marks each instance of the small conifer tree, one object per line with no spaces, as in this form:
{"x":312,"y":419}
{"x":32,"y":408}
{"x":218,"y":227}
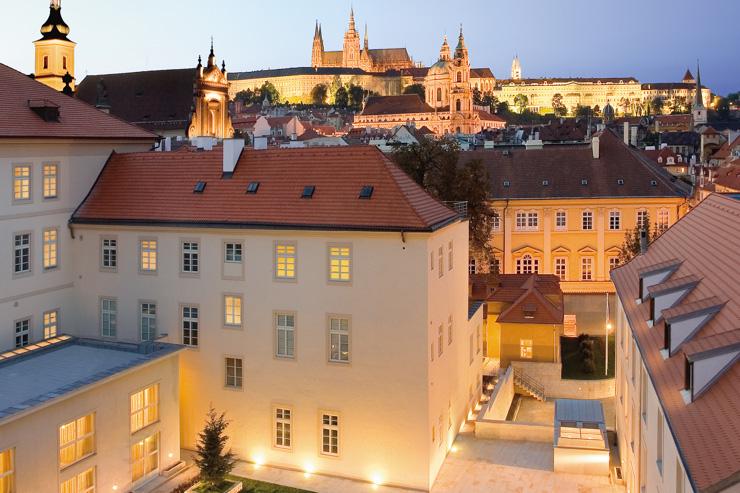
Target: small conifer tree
{"x":212,"y":460}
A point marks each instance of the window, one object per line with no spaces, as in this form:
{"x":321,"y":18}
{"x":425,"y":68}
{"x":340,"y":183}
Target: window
{"x":233,"y":253}
{"x":441,"y":261}
{"x":587,"y":220}
{"x":339,"y":340}
{"x":450,"y":255}
{"x":50,"y":248}
{"x":22,"y":332}
{"x":7,"y":471}
{"x":496,"y":221}
{"x":477,"y":339}
{"x":22,"y":182}
{"x":50,"y":172}
{"x":148,"y":312}
{"x":561,"y":221}
{"x":148,"y":254}
{"x":587,"y":273}
{"x":329,"y":434}
{"x":144,"y":407}
{"x":145,"y":458}
{"x":232,"y":310}
{"x":76,"y":440}
{"x":440,"y":340}
{"x":458,"y":107}
{"x":526,"y":264}
{"x":64,"y":63}
{"x":439,"y":94}
{"x":46,"y":62}
{"x":283,"y":425}
{"x":496,"y":265}
{"x":285,"y":335}
{"x":51,"y":323}
{"x":659,"y":442}
{"x":108,"y":317}
{"x":285,"y":261}
{"x":83,"y":482}
{"x":525,"y":348}
{"x":614,"y":220}
{"x":642,"y":219}
{"x":190,"y":322}
{"x":643,"y":394}
{"x":471,"y":265}
{"x":340,"y":263}
{"x":527,"y":221}
{"x":234,"y":375}
{"x":459,"y":76}
{"x":190,"y":257}
{"x":663,"y":218}
{"x":470,"y":349}
{"x":613,"y":263}
{"x":561,"y":268}
{"x":109,"y":253}
{"x":431,"y":260}
{"x":449,"y":330}
{"x":22,"y":253}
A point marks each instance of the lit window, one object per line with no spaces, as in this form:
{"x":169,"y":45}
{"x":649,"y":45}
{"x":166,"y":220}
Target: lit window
{"x":234,"y":373}
{"x":339,"y":340}
{"x":22,"y":253}
{"x":449,"y":330}
{"x":440,"y":340}
{"x":642,"y":219}
{"x":340,"y":263}
{"x":145,"y":458}
{"x":614,"y":220}
{"x":50,"y":180}
{"x":330,"y":434}
{"x":561,"y":268}
{"x":561,"y":221}
{"x":450,"y":256}
{"x":525,"y":348}
{"x":285,"y":261}
{"x":587,"y":220}
{"x":190,"y":257}
{"x":109,"y":253}
{"x":83,"y":482}
{"x":190,"y":322}
{"x":51,"y":323}
{"x":283,"y":432}
{"x":441,"y":261}
{"x":148,"y":254}
{"x":526,"y":264}
{"x":587,"y":264}
{"x":148,"y":312}
{"x":50,"y":248}
{"x":285,"y":335}
{"x":233,"y":253}
{"x":76,"y":440}
{"x":22,"y":182}
{"x":22,"y":332}
{"x":232,"y":310}
{"x":108,"y":317}
{"x":144,"y":407}
{"x":7,"y":471}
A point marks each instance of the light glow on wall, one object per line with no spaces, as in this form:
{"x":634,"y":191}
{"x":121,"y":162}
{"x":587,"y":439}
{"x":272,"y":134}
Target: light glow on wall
{"x":308,"y":469}
{"x":376,"y":479}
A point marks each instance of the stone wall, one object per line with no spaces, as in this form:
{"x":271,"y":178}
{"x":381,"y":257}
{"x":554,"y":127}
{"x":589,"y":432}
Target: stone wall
{"x":501,"y":398}
{"x":509,"y":430}
{"x":549,"y":375}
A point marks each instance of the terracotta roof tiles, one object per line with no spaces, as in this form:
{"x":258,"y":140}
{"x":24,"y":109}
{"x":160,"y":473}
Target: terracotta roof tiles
{"x":393,"y":105}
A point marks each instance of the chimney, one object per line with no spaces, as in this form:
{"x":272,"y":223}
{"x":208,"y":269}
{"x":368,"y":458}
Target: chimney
{"x":168,"y":144}
{"x":643,"y":241}
{"x":633,"y":136}
{"x":232,"y":151}
{"x":260,"y":143}
{"x":626,"y":133}
{"x":595,"y":146}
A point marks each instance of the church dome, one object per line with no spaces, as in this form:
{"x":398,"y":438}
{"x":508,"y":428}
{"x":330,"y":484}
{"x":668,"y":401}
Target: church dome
{"x":55,"y":27}
{"x":441,"y":67}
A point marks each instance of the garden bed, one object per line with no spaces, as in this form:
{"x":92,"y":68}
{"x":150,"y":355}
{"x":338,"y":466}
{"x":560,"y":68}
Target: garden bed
{"x":254,"y":486}
{"x":572,"y":358}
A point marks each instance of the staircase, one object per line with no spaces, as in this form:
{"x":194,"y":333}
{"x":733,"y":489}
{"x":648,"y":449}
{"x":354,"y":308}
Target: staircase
{"x":529,"y":385}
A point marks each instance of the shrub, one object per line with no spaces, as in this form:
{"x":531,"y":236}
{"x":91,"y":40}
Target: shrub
{"x":588,"y":365}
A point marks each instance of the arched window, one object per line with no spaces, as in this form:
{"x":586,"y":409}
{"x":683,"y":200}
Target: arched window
{"x":458,"y":105}
{"x":459,"y":76}
{"x":439,"y":94}
{"x":527,"y":265}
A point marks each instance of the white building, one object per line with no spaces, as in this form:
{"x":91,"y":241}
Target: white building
{"x":678,"y":344}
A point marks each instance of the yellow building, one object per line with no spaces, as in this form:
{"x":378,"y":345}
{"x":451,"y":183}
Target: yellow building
{"x":55,"y":53}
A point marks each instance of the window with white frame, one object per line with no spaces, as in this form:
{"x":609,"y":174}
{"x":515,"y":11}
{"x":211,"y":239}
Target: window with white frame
{"x":22,"y":182}
{"x":561,"y":221}
{"x":340,"y":263}
{"x":525,"y":348}
{"x":471,"y":265}
{"x":663,"y":219}
{"x":283,"y":427}
{"x":527,"y":221}
{"x":613,"y":263}
{"x":285,"y":260}
{"x":496,"y":264}
{"x":234,"y":373}
{"x":526,"y":264}
{"x":587,"y":220}
{"x":329,"y":434}
{"x":50,"y":180}
{"x":284,"y":335}
{"x":338,"y":340}
{"x":51,"y":323}
{"x":232,"y":310}
{"x":76,"y":440}
{"x":22,"y":332}
{"x":83,"y":482}
{"x":148,"y":255}
{"x":144,"y":407}
{"x":7,"y":471}
{"x":615,"y":220}
{"x":440,"y":340}
{"x":50,"y":248}
{"x":441,"y":261}
{"x":449,"y":330}
{"x":450,"y":255}
{"x":108,"y":253}
{"x":233,"y":253}
{"x":22,"y":253}
{"x":190,"y":257}
{"x":587,"y":268}
{"x":148,"y":320}
{"x":190,"y":325}
{"x":496,"y":221}
{"x":145,"y":458}
{"x":561,"y":268}
{"x":642,"y":219}
{"x":108,"y":317}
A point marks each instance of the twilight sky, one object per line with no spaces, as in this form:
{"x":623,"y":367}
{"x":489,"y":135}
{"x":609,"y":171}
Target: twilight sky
{"x":653,"y":40}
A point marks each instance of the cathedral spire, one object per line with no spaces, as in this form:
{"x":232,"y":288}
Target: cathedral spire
{"x":367,"y":44}
{"x":352,"y":20}
{"x":461,"y":51}
{"x":211,"y":56}
{"x":698,"y":98}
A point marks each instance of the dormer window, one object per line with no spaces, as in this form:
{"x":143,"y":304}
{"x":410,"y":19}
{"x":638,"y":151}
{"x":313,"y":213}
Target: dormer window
{"x":584,"y":182}
{"x":668,"y":294}
{"x":655,"y":274}
{"x":704,"y":367}
{"x":682,"y":322}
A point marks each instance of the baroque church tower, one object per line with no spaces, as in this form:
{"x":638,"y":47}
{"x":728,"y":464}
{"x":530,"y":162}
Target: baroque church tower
{"x":461,"y":94}
{"x":55,"y":53}
{"x":210,"y":116}
{"x":317,"y":52}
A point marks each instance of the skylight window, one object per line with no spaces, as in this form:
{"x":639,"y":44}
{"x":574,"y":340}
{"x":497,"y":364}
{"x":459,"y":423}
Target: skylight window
{"x":653,"y":183}
{"x":199,"y":187}
{"x":308,"y":191}
{"x":620,"y":182}
{"x":545,"y":183}
{"x":253,"y":186}
{"x":366,"y":192}
{"x":584,"y":182}
{"x":507,"y":183}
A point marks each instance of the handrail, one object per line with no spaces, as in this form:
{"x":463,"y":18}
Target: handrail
{"x":529,"y":382}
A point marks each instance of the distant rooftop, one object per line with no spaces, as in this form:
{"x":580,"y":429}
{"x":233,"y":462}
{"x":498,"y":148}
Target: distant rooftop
{"x":50,"y":369}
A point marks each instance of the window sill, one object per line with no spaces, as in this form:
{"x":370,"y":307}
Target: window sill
{"x":67,"y":466}
{"x":146,"y":427}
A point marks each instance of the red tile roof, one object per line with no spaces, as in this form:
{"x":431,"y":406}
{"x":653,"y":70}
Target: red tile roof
{"x":522,"y":292}
{"x":728,"y":177}
{"x":157,"y":188}
{"x":394,"y":105}
{"x":77,"y":120}
{"x":707,"y":429}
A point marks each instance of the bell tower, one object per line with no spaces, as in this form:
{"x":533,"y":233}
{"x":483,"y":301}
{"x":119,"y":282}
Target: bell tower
{"x":55,"y":53}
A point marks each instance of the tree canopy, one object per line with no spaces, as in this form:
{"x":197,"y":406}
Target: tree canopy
{"x":521,"y":101}
{"x":319,"y":94}
{"x":656,"y":105}
{"x":341,"y":98}
{"x":416,"y":89}
{"x":557,"y":105}
{"x":256,"y":96}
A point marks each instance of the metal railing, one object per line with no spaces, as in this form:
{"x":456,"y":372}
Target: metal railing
{"x":461,"y":207}
{"x":527,"y":382}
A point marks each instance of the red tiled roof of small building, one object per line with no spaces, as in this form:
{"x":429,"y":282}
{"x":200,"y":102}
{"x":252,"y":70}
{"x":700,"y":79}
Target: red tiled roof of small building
{"x":522,"y":291}
{"x":728,"y":177}
{"x":706,"y":429}
{"x":157,"y":188}
{"x":394,"y":105}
